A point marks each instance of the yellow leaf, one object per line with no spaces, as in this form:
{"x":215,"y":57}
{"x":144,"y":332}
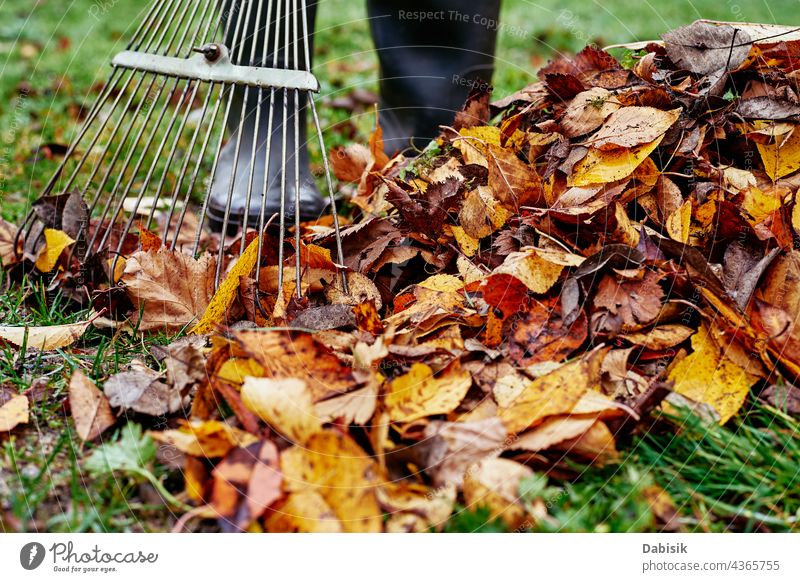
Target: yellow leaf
{"x":481,"y":214}
{"x":210,"y":439}
{"x":304,"y":512}
{"x":235,"y":370}
{"x":46,"y":337}
{"x":678,"y":222}
{"x":759,"y":204}
{"x":494,"y":484}
{"x":467,"y":244}
{"x":796,"y":213}
{"x":332,"y":465}
{"x":285,"y":405}
{"x":601,"y":166}
{"x":226,"y":293}
{"x":554,"y":393}
{"x":536,"y":273}
{"x":13,"y":412}
{"x":489,"y":134}
{"x":418,"y":393}
{"x":781,"y":158}
{"x":442,"y":283}
{"x":661,"y":337}
{"x":708,"y":376}
{"x":55,"y":241}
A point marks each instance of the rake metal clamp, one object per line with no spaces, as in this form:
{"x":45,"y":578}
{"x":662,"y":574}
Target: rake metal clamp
{"x":218,"y":69}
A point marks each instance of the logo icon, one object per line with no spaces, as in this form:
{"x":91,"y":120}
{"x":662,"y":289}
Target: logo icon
{"x":31,"y":555}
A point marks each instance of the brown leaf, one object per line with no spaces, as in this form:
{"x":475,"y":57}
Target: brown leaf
{"x":141,"y":390}
{"x":587,"y":111}
{"x":494,"y":483}
{"x":349,"y":163}
{"x":246,"y":483}
{"x":706,"y":47}
{"x":633,"y":126}
{"x":169,"y":289}
{"x":89,"y":406}
{"x":628,"y":304}
{"x":513,"y":182}
{"x":450,"y":448}
{"x":540,"y":334}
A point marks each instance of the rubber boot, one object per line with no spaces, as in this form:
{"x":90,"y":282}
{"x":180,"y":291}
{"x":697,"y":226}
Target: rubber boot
{"x":241,"y":47}
{"x":432,"y":53}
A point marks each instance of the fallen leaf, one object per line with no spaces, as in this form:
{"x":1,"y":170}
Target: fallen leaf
{"x":552,"y":431}
{"x":418,"y":393}
{"x":13,"y":412}
{"x":554,"y":393}
{"x":660,"y":337}
{"x":8,"y":254}
{"x":205,"y":439}
{"x":46,"y":337}
{"x":89,"y":406}
{"x":587,"y":111}
{"x":604,"y":166}
{"x":56,"y":241}
{"x":450,"y":448}
{"x":494,"y":483}
{"x":630,"y":127}
{"x":141,"y":390}
{"x":288,"y":354}
{"x":226,"y":293}
{"x":168,"y":288}
{"x":415,"y":508}
{"x":708,"y":376}
{"x":246,"y":482}
{"x":285,"y":405}
{"x":304,"y":512}
{"x":536,"y":273}
{"x":334,"y":466}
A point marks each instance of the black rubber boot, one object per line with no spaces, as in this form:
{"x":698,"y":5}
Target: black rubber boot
{"x":311,"y":200}
{"x":432,"y":52}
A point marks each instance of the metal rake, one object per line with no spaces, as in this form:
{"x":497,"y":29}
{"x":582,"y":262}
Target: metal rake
{"x":155,"y":131}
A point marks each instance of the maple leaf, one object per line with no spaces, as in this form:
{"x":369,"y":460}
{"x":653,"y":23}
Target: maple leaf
{"x":167,"y":288}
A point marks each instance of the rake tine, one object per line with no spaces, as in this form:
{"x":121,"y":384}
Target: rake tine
{"x":236,"y":156}
{"x":163,"y":143}
{"x":259,"y":103}
{"x":134,"y":148}
{"x":296,"y":64}
{"x":230,"y":89}
{"x":265,"y":185}
{"x":323,"y":153}
{"x":196,"y":172}
{"x":282,"y":217}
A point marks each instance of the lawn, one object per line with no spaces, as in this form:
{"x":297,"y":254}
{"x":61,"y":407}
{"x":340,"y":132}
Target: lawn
{"x":54,"y":57}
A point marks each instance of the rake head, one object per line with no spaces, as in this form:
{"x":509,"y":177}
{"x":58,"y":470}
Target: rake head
{"x":150,"y":147}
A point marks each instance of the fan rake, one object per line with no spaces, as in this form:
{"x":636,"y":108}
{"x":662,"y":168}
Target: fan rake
{"x":153,"y":138}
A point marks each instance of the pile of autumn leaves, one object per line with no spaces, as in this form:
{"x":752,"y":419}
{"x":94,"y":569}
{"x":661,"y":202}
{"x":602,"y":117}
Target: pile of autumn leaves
{"x":525,"y":291}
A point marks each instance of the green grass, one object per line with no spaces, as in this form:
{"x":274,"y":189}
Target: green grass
{"x":53,"y":56}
